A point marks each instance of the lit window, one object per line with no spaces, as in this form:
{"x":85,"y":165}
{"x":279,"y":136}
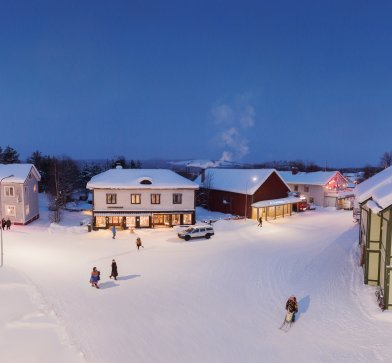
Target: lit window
{"x":155,"y":199}
{"x":136,"y":198}
{"x":9,"y":191}
{"x":10,"y":210}
{"x":177,"y":198}
{"x":35,"y":188}
{"x":111,"y":198}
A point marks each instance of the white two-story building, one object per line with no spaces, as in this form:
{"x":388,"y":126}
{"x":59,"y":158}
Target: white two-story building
{"x":321,"y":187}
{"x":19,"y":193}
{"x":142,"y":198}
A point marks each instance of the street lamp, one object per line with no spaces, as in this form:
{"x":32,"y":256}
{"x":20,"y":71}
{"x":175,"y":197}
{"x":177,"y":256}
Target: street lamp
{"x":253,"y":179}
{"x":1,"y":217}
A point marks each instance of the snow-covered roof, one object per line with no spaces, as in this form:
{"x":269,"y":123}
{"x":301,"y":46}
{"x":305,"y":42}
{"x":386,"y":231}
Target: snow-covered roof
{"x":378,"y":187}
{"x":272,"y":202}
{"x":373,"y":206}
{"x":244,"y":181}
{"x":20,"y":172}
{"x":141,"y":179}
{"x":314,"y":178}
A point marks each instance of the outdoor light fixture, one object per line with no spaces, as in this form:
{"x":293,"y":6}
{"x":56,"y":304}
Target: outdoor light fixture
{"x":1,"y":217}
{"x":253,"y":179}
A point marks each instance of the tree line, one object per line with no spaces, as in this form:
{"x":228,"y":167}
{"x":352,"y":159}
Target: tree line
{"x":62,"y":176}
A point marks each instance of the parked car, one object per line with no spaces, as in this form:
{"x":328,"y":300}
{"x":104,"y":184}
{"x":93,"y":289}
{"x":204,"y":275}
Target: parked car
{"x":196,"y":231}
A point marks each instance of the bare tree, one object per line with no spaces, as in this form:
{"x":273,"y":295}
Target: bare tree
{"x":386,"y":160}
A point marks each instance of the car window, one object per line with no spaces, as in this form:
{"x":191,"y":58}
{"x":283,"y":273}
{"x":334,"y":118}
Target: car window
{"x":195,"y":230}
{"x":202,"y":229}
{"x":189,"y":230}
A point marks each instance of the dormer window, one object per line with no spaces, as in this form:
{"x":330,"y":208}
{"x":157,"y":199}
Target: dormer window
{"x":145,"y":181}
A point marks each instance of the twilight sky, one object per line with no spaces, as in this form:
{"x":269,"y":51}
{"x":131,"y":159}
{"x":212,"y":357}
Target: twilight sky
{"x":249,"y":81}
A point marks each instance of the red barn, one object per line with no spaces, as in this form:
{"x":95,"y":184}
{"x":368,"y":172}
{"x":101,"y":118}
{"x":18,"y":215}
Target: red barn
{"x":235,"y":190}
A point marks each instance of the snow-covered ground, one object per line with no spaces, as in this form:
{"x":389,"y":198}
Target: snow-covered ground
{"x":217,"y":300}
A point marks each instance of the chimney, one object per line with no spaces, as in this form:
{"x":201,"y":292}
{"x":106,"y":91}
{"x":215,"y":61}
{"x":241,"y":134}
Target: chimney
{"x":294,"y":170}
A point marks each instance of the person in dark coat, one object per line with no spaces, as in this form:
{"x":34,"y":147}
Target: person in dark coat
{"x":292,"y":306}
{"x":139,"y":243}
{"x":8,"y":223}
{"x":114,"y":270}
{"x":3,"y":223}
{"x":260,"y":222}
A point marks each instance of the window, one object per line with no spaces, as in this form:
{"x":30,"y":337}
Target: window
{"x":177,"y":198}
{"x":111,"y":198}
{"x":27,"y":210}
{"x":306,"y":189}
{"x":296,"y":188}
{"x":187,"y":218}
{"x":35,"y":188}
{"x":136,"y":198}
{"x":155,"y":199}
{"x":9,"y":191}
{"x":10,"y":210}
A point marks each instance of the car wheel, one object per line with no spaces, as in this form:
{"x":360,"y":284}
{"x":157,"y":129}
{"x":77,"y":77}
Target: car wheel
{"x":187,"y":238}
{"x":208,"y":236}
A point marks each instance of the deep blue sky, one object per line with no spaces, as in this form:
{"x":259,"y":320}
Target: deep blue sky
{"x":252,"y":80}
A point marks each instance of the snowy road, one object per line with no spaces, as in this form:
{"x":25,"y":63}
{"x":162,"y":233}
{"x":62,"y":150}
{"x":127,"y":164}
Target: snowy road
{"x":220,"y":300}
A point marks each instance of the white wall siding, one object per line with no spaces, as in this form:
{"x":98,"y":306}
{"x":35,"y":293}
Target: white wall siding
{"x":124,"y":200}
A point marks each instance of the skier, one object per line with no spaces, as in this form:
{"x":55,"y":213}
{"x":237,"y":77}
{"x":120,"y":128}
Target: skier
{"x":114,"y":270}
{"x":114,"y":232}
{"x":292,"y":308}
{"x":95,"y":277}
{"x":139,"y":243}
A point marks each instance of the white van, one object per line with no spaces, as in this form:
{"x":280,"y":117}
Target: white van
{"x":205,"y":231}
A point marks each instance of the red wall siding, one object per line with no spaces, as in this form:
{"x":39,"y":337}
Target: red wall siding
{"x":272,"y":188}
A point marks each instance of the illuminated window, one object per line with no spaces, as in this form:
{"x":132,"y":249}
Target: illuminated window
{"x":100,"y":221}
{"x":155,"y":199}
{"x":9,"y":191}
{"x":111,"y":198}
{"x":136,"y":198}
{"x":187,"y":218}
{"x":10,"y":210}
{"x":177,"y":198}
{"x":35,"y":188}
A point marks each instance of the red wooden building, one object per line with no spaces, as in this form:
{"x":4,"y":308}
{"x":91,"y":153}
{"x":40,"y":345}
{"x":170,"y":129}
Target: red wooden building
{"x":235,"y":190}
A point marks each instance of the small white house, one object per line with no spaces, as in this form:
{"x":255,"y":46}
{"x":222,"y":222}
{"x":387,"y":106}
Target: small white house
{"x":321,"y":187}
{"x":19,"y":192}
{"x":142,"y":198}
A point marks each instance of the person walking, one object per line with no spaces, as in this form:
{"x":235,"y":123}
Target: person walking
{"x":114,"y":232}
{"x":292,"y":307}
{"x":3,"y":223}
{"x":114,"y":270}
{"x":139,"y":243}
{"x":95,"y":277}
{"x":260,"y":222}
{"x":8,"y":223}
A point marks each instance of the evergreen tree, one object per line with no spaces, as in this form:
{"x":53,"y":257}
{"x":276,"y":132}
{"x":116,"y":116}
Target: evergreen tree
{"x":9,"y":156}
